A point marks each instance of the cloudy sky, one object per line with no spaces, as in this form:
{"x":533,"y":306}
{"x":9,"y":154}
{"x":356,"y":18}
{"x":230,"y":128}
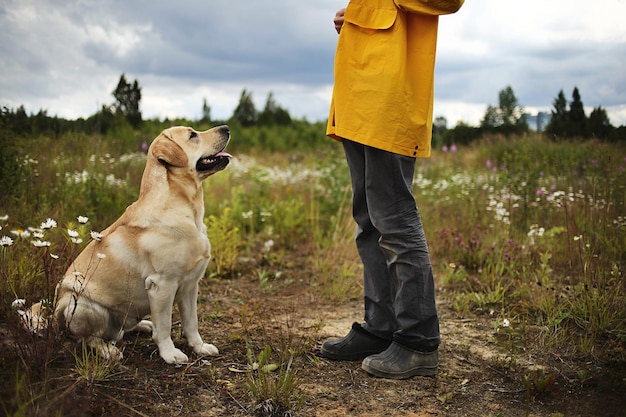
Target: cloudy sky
{"x":66,"y":56}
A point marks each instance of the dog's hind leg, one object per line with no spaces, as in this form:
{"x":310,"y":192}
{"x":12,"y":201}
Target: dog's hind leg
{"x":88,"y":319}
{"x":144,"y":326}
{"x":106,"y":350}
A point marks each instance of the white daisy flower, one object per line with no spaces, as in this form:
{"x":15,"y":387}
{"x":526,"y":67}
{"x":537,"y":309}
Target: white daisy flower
{"x":267,"y":246}
{"x":48,"y":224}
{"x":21,"y":233}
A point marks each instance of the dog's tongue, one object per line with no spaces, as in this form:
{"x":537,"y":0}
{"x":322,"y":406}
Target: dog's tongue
{"x":224,"y":154}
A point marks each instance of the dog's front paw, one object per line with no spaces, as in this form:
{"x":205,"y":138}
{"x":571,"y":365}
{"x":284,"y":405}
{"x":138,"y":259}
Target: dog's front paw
{"x":206,"y":349}
{"x":174,"y":356}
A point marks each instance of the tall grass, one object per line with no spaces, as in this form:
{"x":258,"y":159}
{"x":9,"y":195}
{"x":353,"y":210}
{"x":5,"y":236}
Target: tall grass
{"x":528,"y":232}
{"x":541,"y":225}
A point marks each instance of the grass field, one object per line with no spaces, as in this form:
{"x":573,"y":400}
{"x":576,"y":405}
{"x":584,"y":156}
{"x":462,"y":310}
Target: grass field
{"x":527,"y":232}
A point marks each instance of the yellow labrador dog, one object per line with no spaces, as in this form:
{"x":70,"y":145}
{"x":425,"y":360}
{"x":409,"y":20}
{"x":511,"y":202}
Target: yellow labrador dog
{"x":153,"y":256}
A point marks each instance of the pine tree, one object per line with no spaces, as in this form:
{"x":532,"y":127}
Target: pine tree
{"x":245,"y":112}
{"x":599,"y":124}
{"x":206,"y":112}
{"x":127,"y":99}
{"x":559,"y":120}
{"x":577,"y":126}
{"x":491,"y":120}
{"x":273,"y":114}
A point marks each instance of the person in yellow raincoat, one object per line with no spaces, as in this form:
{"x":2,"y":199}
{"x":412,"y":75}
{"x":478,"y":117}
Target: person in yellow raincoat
{"x":381,"y":111}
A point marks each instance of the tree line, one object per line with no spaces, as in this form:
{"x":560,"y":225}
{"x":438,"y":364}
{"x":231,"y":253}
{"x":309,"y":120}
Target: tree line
{"x":126,"y":110}
{"x":568,"y":119}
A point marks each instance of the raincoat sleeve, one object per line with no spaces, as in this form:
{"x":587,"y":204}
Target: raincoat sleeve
{"x":430,"y":7}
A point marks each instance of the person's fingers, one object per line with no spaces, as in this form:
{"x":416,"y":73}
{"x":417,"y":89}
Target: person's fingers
{"x":338,"y":20}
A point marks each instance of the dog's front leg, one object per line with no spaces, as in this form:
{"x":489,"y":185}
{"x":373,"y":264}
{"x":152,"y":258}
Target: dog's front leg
{"x":188,"y":306}
{"x":161,"y":293}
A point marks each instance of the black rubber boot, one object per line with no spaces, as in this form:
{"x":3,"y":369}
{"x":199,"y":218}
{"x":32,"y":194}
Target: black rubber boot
{"x":356,"y":345}
{"x":400,"y":362}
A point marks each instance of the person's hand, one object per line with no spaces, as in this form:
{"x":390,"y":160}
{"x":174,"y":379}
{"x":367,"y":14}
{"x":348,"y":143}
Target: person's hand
{"x":338,"y":20}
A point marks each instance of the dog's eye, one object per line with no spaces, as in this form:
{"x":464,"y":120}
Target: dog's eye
{"x":193,"y":135}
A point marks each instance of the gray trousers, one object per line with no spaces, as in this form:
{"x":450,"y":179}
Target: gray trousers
{"x":398,"y":278}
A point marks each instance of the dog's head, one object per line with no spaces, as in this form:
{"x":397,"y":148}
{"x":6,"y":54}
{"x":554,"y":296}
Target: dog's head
{"x":199,"y":152}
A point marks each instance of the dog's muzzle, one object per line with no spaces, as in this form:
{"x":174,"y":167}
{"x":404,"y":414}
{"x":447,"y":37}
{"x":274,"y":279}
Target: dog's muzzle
{"x":215,"y":162}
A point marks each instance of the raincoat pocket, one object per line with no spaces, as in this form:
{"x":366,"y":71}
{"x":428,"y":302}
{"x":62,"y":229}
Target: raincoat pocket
{"x":371,"y":17}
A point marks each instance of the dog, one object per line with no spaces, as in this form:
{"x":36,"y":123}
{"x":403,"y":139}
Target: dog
{"x":152,"y":257}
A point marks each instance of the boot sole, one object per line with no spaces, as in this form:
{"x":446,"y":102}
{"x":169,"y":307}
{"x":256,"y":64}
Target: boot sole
{"x":421,"y":371}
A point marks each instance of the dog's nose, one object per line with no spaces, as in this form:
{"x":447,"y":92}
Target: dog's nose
{"x":224,"y":129}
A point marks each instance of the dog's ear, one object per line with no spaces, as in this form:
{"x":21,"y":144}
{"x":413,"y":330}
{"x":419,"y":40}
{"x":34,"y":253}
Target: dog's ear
{"x":169,"y":153}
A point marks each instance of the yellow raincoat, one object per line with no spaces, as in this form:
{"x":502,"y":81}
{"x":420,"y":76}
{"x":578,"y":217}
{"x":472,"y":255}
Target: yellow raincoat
{"x":383,"y":92}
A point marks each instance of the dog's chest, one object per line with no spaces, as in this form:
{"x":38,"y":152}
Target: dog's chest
{"x":198,"y":253}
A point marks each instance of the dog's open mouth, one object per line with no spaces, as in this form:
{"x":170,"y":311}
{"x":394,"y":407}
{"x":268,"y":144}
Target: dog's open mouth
{"x":215,"y":162}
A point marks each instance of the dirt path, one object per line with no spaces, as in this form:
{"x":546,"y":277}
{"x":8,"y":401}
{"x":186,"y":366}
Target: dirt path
{"x":476,"y":378}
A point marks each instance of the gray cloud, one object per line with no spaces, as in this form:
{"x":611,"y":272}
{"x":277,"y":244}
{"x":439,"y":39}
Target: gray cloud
{"x":67,"y":56}
{"x":230,"y":42}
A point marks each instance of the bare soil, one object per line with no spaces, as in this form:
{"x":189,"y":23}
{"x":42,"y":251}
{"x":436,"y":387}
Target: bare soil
{"x":477,"y":376}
